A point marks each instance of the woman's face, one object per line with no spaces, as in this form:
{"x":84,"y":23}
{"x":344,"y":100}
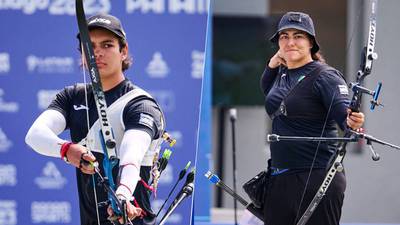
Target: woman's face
{"x":295,"y":47}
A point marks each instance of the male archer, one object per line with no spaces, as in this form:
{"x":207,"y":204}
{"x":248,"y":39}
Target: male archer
{"x":135,"y":117}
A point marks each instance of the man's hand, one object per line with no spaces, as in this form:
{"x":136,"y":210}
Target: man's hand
{"x":80,"y":157}
{"x":131,"y":210}
{"x":355,"y":120}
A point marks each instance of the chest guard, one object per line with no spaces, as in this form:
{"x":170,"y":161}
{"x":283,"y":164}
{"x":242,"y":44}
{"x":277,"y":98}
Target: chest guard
{"x":115,"y":114}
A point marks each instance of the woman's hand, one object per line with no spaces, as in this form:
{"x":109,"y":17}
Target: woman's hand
{"x":355,"y":120}
{"x":276,"y":60}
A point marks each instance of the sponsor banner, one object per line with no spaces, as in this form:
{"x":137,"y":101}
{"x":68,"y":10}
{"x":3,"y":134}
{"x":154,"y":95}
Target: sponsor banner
{"x":59,"y":7}
{"x":67,"y":7}
{"x":167,"y":6}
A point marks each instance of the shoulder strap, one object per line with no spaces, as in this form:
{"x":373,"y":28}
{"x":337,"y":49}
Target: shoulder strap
{"x":122,"y":101}
{"x":282,"y":107}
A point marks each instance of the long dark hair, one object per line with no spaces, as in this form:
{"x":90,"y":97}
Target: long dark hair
{"x":318,"y":56}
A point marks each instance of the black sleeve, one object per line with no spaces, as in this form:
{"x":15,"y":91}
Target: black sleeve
{"x":143,"y":114}
{"x":267,"y":79}
{"x":334,"y":93}
{"x":62,"y":101}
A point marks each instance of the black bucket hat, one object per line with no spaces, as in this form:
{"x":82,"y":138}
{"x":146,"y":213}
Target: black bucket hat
{"x":299,"y":21}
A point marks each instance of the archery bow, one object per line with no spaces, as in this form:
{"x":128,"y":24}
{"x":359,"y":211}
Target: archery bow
{"x":106,"y":135}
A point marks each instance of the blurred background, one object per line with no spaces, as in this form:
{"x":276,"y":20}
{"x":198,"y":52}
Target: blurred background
{"x":239,"y":47}
{"x":39,"y":57}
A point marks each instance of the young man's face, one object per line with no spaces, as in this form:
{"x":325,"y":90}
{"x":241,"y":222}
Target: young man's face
{"x":107,"y":51}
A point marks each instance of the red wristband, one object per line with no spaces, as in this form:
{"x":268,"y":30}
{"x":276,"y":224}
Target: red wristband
{"x":63,"y":151}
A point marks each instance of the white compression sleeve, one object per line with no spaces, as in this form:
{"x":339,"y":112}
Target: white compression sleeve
{"x":42,"y":136}
{"x":133,"y":148}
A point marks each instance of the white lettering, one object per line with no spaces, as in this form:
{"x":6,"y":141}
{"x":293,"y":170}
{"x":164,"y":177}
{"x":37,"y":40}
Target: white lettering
{"x":67,"y":7}
{"x":100,"y":20}
{"x":50,"y":64}
{"x":51,"y":212}
{"x":187,"y":6}
{"x":8,"y":212}
{"x":174,"y":6}
{"x":45,"y":97}
{"x":197,"y":64}
{"x":4,"y":62}
{"x":145,"y":6}
{"x":5,"y":143}
{"x":8,"y":175}
{"x":10,"y":107}
{"x":55,"y":7}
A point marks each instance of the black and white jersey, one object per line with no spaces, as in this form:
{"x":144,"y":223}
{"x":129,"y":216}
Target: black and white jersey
{"x":142,"y":112}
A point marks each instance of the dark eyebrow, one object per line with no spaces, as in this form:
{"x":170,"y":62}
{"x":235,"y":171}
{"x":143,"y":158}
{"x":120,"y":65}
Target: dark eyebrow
{"x":107,"y":41}
{"x":300,"y":32}
{"x":297,"y":32}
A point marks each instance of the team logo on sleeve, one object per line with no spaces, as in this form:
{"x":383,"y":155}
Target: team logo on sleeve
{"x":343,"y":89}
{"x":146,"y":120}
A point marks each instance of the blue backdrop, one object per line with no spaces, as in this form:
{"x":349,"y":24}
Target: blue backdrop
{"x":38,"y":57}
